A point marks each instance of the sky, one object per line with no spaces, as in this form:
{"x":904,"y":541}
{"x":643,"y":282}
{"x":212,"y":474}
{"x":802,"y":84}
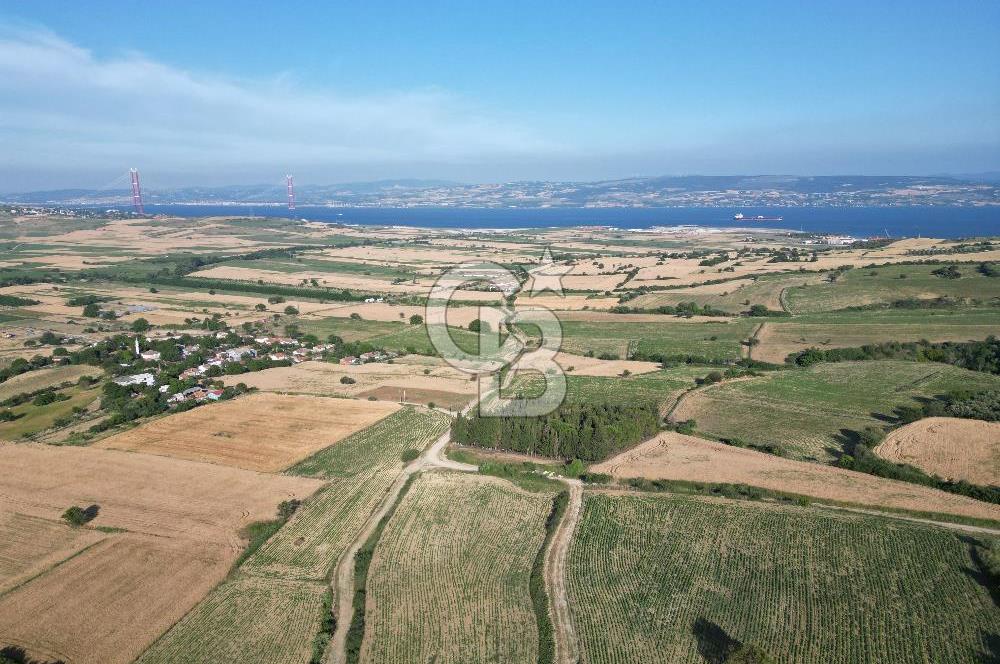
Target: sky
{"x":245,"y":92}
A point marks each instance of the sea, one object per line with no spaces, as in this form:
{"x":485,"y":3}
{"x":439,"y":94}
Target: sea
{"x":936,"y":221}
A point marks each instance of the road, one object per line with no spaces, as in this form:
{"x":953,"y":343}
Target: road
{"x":343,"y":578}
{"x":567,"y":645}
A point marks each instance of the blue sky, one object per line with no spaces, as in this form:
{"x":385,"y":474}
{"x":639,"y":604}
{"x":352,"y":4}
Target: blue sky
{"x":242,"y":92}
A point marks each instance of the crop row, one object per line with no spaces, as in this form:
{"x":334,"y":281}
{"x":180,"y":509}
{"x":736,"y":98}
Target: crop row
{"x":671,"y":578}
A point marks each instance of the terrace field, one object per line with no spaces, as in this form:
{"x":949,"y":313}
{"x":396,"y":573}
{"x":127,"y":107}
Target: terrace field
{"x":803,"y":411}
{"x":684,"y":580}
{"x":449,"y":579}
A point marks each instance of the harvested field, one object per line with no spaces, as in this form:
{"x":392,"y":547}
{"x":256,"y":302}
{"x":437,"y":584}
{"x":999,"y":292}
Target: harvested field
{"x":141,"y":584}
{"x":142,"y":493}
{"x":567,"y":302}
{"x":674,"y":456}
{"x":676,"y":579}
{"x":449,"y":578}
{"x":440,"y":398}
{"x":182,"y":521}
{"x":578,"y":365}
{"x":263,"y":432}
{"x":46,"y":377}
{"x":384,"y":381}
{"x":33,"y":544}
{"x":950,"y":447}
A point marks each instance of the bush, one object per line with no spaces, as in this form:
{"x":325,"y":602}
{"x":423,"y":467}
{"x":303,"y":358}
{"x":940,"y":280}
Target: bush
{"x":409,"y":455}
{"x":291,"y":311}
{"x":140,"y":325}
{"x":78,"y":516}
{"x":347,"y":380}
{"x":416,"y":319}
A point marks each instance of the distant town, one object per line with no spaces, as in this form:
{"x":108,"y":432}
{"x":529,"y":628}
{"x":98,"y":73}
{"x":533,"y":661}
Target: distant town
{"x":669,"y":191}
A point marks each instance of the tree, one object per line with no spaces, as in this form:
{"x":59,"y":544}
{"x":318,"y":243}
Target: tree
{"x":291,"y":311}
{"x":347,"y":380}
{"x":748,"y":653}
{"x":416,"y":319}
{"x":77,"y":516}
{"x":92,"y":310}
{"x":140,"y":325}
{"x":260,"y":306}
{"x":477,"y":325}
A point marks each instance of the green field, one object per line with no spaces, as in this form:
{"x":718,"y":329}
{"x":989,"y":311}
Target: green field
{"x":804,"y":410}
{"x":31,"y":419}
{"x":390,"y":335}
{"x":680,"y":580}
{"x":268,"y":613}
{"x":660,"y":387}
{"x":862,"y":286}
{"x":857,"y":328}
{"x":711,"y":341}
{"x":449,"y":579}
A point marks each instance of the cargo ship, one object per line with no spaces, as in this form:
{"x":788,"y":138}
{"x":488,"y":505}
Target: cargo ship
{"x":739,"y":216}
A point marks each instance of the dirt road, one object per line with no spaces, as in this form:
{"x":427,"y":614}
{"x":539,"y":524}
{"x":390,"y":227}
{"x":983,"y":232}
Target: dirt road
{"x":342,"y":582}
{"x":567,"y":646}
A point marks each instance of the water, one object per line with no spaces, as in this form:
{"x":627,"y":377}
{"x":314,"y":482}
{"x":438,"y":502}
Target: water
{"x":944,"y":222}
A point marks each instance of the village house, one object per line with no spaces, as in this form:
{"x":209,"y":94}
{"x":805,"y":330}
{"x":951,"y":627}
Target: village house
{"x":150,"y":355}
{"x":147,"y":379}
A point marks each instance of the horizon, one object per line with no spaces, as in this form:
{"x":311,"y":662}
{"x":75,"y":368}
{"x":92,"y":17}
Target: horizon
{"x":493,"y":95}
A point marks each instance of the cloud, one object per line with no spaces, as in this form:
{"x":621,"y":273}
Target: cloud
{"x":64,"y":109}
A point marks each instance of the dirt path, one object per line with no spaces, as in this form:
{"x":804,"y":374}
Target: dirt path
{"x":567,"y":645}
{"x":342,"y":582}
{"x":961,"y":527}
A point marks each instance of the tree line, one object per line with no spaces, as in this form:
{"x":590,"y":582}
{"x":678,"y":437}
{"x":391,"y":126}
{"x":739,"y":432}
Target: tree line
{"x":590,"y":432}
{"x":974,"y":355}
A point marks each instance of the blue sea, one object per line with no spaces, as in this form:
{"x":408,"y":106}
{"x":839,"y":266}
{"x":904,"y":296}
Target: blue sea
{"x":945,"y":222}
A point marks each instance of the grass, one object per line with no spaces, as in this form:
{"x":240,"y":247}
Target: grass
{"x":391,"y":335}
{"x":803,"y":411}
{"x":862,"y":286}
{"x":449,"y":581}
{"x":685,"y":580}
{"x":32,"y":419}
{"x":661,"y":387}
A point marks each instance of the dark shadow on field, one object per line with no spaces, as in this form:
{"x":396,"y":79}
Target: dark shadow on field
{"x":882,"y":417}
{"x":91,"y":512}
{"x":979,"y":574}
{"x":714,"y":644}
{"x":20,"y":656}
{"x":991,"y":647}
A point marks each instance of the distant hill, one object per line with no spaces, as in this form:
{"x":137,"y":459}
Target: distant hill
{"x":658,"y":191}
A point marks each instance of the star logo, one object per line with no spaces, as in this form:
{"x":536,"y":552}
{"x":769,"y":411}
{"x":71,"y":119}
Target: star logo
{"x":547,"y":276}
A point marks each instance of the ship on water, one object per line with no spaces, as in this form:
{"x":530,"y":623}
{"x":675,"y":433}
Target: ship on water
{"x":739,"y":216}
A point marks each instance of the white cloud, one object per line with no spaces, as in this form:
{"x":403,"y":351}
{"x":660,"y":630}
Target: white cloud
{"x":63,"y":109}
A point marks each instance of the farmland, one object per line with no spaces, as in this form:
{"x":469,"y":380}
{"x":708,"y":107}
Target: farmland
{"x":44,"y":378}
{"x":172,"y":531}
{"x":804,"y":410}
{"x":263,"y":432}
{"x":287,"y":576}
{"x":844,"y":329}
{"x":449,"y":580}
{"x":950,"y":447}
{"x":864,"y":286}
{"x":712,"y":341}
{"x":671,"y":579}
